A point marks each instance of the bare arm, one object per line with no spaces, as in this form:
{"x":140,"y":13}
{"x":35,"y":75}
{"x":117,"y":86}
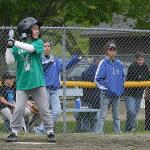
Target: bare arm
{"x":5,"y":102}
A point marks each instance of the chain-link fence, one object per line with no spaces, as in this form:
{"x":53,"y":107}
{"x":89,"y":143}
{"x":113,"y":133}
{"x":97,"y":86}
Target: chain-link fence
{"x":81,"y":104}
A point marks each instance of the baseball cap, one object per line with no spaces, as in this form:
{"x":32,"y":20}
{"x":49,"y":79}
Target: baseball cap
{"x":111,"y":45}
{"x":7,"y":76}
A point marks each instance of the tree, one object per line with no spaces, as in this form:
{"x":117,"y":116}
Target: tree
{"x":12,"y":11}
{"x":139,"y":10}
{"x":74,"y":12}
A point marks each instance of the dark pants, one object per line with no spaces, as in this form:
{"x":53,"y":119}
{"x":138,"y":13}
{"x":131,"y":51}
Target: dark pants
{"x":147,"y":115}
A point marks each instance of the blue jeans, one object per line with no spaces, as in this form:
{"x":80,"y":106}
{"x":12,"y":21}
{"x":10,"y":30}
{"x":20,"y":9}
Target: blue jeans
{"x":54,"y":103}
{"x":133,"y":106}
{"x":104,"y":105}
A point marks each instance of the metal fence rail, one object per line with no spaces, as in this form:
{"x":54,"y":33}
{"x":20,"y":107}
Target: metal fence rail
{"x":88,"y":43}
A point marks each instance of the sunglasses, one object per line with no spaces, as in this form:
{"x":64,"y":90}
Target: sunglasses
{"x":111,"y":48}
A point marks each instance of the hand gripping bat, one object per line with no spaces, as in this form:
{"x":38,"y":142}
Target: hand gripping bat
{"x":11,"y":41}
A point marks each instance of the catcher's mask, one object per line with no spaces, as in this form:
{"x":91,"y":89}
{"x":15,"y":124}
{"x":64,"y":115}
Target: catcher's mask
{"x":25,"y":25}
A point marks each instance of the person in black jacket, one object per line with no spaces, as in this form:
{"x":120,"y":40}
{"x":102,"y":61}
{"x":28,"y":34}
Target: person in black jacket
{"x":86,"y":121}
{"x":91,"y":95}
{"x":138,"y":71}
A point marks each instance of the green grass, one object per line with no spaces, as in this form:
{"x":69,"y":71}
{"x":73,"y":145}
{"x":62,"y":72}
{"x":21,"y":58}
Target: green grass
{"x":108,"y":127}
{"x":71,"y":127}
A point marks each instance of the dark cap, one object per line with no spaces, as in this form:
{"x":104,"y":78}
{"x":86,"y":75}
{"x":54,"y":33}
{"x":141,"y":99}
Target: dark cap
{"x":7,"y":76}
{"x":139,"y":55}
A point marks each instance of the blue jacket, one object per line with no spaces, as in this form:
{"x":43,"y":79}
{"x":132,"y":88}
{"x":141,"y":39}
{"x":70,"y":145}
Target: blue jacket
{"x":52,"y":67}
{"x":110,"y":76}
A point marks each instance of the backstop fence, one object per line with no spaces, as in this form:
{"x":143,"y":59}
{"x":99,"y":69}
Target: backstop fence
{"x":80,"y":98}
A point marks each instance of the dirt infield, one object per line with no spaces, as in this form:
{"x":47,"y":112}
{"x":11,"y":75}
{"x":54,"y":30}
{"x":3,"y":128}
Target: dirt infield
{"x":81,"y":142}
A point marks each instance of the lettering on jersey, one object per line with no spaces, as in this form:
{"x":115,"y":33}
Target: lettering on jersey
{"x":115,"y":71}
{"x":25,"y":56}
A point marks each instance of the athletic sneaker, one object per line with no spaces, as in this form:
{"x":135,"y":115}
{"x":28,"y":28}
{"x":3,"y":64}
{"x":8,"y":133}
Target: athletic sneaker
{"x":12,"y":138}
{"x":39,"y":129}
{"x":51,"y":138}
{"x":132,"y":130}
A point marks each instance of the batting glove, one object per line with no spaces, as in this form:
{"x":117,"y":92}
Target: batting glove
{"x":10,"y":43}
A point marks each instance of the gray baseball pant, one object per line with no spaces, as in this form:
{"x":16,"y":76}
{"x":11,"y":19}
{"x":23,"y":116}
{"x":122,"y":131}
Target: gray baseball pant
{"x":40,"y":97}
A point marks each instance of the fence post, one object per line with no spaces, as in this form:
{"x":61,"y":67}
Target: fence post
{"x":64,"y":82}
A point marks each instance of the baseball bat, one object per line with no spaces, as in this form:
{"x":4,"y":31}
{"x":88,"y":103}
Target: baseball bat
{"x":10,"y":36}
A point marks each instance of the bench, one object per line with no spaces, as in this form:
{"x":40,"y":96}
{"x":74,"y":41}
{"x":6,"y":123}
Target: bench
{"x":75,"y":92}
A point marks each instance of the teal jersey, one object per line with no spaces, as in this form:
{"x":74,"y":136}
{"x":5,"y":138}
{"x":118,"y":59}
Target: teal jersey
{"x":29,"y":67}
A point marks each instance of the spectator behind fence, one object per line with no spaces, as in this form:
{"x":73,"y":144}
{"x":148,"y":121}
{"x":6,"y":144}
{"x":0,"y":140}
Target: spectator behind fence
{"x":110,"y":80}
{"x":30,"y":77}
{"x":7,"y":100}
{"x":86,"y":121}
{"x":138,"y":71}
{"x":147,"y":108}
{"x":52,"y":67}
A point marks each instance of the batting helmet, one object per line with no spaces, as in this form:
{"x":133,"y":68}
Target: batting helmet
{"x":25,"y":25}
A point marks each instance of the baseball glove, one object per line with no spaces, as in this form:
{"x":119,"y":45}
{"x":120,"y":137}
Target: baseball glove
{"x":34,"y":109}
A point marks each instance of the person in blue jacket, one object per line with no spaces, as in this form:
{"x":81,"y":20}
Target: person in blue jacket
{"x":52,"y":67}
{"x":110,"y":79}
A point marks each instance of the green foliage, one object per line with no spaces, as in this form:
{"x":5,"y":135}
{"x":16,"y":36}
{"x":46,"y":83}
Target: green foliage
{"x":75,"y":42}
{"x":74,"y":12}
{"x":139,"y":10}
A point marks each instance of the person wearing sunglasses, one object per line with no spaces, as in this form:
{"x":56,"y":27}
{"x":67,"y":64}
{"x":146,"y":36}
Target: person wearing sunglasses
{"x":137,"y":71}
{"x":109,"y":79}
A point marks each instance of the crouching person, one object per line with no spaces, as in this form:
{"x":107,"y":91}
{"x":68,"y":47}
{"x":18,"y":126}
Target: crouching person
{"x":7,"y":99}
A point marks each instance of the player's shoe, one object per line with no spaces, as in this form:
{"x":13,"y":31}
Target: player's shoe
{"x":51,"y":138}
{"x":12,"y":138}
